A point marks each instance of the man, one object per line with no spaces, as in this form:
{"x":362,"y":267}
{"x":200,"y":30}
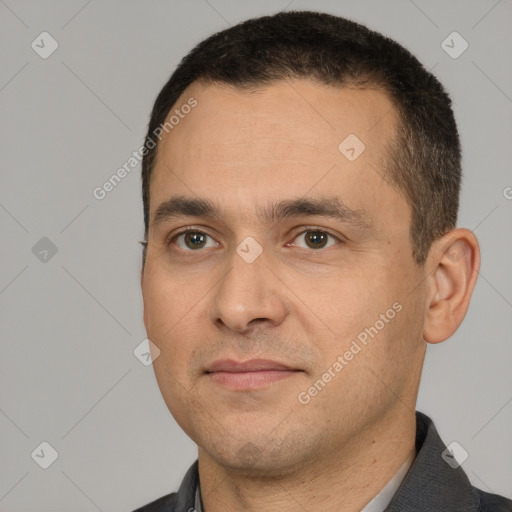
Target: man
{"x":300,"y":183}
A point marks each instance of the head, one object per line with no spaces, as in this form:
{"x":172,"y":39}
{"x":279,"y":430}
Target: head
{"x":316,"y":166}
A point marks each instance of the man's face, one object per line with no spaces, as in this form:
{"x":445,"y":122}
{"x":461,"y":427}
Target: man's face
{"x":301,"y":304}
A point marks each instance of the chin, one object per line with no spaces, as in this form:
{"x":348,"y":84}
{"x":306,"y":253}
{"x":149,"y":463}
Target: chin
{"x":258,"y":455}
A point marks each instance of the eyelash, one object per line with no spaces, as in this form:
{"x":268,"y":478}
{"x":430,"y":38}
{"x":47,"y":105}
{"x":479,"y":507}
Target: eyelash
{"x":174,"y":236}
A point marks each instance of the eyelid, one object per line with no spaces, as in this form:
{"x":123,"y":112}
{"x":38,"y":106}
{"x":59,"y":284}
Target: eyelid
{"x":306,"y":229}
{"x":185,"y":230}
{"x":332,"y":239}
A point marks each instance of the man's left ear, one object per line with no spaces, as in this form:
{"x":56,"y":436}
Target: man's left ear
{"x":456,"y":260}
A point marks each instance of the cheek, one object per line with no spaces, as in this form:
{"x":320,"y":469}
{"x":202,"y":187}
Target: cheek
{"x":343,"y":303}
{"x":169,"y":302}
{"x":366,"y":318}
{"x":171,"y":324}
{"x":172,"y":316}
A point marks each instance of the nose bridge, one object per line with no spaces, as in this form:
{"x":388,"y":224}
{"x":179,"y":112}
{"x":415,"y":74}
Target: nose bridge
{"x":247,"y":291}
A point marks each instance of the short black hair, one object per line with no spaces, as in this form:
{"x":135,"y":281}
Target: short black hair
{"x":423,"y":159}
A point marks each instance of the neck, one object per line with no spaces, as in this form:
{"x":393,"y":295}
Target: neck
{"x":343,"y":480}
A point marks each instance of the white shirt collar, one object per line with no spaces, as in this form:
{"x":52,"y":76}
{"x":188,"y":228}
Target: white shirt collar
{"x":384,"y":497}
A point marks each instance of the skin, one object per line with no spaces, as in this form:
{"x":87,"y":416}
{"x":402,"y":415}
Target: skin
{"x":262,"y":449}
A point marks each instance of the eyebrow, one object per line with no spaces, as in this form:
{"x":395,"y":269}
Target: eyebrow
{"x":329,"y":207}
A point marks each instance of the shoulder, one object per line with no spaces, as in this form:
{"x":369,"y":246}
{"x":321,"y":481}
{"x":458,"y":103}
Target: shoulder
{"x":164,"y":504}
{"x":433,"y":483}
{"x":493,"y":502}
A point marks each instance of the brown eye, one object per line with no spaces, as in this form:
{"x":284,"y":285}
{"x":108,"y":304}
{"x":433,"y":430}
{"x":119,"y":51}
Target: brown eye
{"x":315,"y":239}
{"x":193,"y":240}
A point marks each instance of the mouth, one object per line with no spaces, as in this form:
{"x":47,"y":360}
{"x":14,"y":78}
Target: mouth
{"x":248,"y":375}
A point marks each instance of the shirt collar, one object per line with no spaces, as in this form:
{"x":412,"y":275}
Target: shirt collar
{"x":385,"y":495}
{"x":198,"y":504}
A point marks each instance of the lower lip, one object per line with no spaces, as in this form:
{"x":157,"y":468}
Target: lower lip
{"x":250,"y":380}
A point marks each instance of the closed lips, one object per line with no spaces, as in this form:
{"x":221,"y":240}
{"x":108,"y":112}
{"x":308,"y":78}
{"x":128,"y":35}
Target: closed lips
{"x":253,"y":365}
{"x":248,"y":375}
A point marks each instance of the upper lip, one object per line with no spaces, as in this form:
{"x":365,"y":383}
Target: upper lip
{"x":252,"y":365}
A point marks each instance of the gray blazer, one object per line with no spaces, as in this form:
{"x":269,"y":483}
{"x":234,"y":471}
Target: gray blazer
{"x":431,"y":485}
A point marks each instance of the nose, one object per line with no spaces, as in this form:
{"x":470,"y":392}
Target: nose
{"x":248,"y":295}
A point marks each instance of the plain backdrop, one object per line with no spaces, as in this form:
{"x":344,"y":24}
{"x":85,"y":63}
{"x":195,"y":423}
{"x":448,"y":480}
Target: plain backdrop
{"x":70,"y":302}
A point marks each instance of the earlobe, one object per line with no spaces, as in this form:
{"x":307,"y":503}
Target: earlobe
{"x":456,"y":260}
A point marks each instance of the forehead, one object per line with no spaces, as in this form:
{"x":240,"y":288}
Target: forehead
{"x":297,"y":111}
{"x":291,"y":138}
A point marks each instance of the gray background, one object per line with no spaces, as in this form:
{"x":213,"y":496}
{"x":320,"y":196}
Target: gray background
{"x":69,"y":324}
